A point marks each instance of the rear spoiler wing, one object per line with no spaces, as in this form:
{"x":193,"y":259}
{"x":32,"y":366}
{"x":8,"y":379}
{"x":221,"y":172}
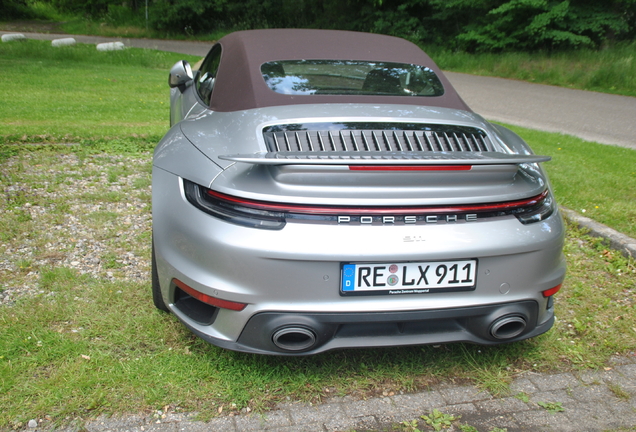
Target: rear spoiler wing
{"x":385,"y":158}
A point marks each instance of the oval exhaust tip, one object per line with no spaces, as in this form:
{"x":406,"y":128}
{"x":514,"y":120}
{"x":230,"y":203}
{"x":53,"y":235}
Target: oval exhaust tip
{"x":508,"y":327}
{"x":294,"y":338}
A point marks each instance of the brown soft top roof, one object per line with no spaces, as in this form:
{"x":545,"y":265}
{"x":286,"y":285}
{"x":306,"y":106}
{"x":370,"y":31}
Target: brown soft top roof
{"x":240,"y":85}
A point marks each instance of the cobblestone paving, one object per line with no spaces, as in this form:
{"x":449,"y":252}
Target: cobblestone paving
{"x":586,"y":401}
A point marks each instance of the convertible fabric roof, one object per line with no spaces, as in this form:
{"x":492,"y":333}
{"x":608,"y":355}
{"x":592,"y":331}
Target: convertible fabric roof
{"x":240,"y":85}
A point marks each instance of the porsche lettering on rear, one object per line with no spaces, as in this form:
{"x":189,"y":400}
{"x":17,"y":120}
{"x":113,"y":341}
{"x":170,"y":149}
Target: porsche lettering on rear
{"x":405,"y":220}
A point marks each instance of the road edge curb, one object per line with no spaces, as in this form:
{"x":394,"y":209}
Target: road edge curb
{"x":617,"y":240}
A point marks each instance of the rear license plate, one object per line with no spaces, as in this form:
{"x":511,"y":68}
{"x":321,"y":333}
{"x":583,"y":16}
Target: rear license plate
{"x":408,"y":278}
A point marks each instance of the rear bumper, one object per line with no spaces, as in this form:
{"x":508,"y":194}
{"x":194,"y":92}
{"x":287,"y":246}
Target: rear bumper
{"x":364,"y":330}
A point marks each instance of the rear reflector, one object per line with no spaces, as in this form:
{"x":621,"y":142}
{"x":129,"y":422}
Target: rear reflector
{"x":212,"y":301}
{"x":551,"y":291}
{"x":410,"y":167}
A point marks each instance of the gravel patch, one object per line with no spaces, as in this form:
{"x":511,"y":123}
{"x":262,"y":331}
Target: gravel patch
{"x":88,"y":213}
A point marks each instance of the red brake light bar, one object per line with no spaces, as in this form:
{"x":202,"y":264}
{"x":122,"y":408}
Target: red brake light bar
{"x":410,"y":167}
{"x":335,"y":210}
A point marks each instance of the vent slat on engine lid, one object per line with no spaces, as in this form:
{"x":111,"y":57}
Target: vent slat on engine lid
{"x":375,"y":137}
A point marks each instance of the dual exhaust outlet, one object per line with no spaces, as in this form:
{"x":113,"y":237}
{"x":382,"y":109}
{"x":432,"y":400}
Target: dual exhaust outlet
{"x":294,"y":338}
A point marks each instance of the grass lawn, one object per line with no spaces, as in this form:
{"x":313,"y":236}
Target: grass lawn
{"x":91,"y":343}
{"x":120,"y":100}
{"x":77,"y":92}
{"x":609,"y":70}
{"x":595,"y":180}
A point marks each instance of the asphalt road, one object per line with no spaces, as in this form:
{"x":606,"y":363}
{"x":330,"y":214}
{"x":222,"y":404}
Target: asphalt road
{"x":600,"y":117}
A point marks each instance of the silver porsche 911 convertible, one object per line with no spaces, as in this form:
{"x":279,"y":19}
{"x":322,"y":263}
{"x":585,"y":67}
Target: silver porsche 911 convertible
{"x":329,"y":189}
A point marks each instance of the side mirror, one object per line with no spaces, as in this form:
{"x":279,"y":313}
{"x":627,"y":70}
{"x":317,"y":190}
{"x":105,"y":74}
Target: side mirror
{"x":180,"y":74}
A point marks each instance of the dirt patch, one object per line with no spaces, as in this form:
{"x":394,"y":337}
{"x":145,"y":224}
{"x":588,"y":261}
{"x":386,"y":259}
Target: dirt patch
{"x":32,"y":26}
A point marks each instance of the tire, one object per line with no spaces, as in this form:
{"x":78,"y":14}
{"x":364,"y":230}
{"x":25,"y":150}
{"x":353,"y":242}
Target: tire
{"x":157,"y":298}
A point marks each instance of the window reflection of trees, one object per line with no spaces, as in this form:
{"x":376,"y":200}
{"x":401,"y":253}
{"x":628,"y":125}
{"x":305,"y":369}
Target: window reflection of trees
{"x":307,"y":77}
{"x":291,"y":85}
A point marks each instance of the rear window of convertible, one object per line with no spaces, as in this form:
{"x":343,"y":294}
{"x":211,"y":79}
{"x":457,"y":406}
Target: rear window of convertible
{"x":339,"y":77}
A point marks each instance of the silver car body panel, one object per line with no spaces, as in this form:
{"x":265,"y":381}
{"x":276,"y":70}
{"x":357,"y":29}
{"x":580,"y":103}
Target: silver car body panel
{"x":218,"y":135}
{"x":298,"y":268}
{"x":240,"y":131}
{"x":285,"y":281}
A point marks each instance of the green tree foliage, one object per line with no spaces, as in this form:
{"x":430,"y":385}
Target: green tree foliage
{"x":196,"y":16}
{"x":185,"y":16}
{"x":14,"y":9}
{"x":90,"y":8}
{"x":471,"y":25}
{"x":497,"y":25}
{"x":541,"y":24}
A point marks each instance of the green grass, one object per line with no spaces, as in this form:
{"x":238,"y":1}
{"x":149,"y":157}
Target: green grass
{"x":93,"y":343}
{"x":118,"y":21}
{"x":595,"y":180}
{"x":118,"y":101}
{"x":77,"y":92}
{"x":609,"y":70}
{"x":88,"y":344}
{"x":133,"y":29}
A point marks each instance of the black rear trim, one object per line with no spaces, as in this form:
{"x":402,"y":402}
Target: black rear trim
{"x":375,"y":137}
{"x":341,"y":330}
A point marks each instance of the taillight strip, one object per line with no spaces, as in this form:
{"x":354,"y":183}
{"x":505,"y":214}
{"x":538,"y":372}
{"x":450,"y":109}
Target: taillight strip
{"x":325,"y":210}
{"x":410,"y":167}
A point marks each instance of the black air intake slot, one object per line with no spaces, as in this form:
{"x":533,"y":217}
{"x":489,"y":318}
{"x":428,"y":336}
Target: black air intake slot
{"x":364,"y":137}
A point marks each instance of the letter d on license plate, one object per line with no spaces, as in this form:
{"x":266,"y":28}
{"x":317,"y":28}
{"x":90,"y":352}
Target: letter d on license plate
{"x":408,"y":278}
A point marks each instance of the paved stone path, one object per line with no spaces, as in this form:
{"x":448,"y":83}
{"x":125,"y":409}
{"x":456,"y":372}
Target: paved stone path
{"x":584,"y":401}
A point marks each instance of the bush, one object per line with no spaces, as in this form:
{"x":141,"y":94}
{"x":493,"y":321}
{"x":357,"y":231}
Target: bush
{"x":15,"y":9}
{"x":467,"y":25}
{"x":184,"y":16}
{"x":539,"y":24}
{"x":91,"y":8}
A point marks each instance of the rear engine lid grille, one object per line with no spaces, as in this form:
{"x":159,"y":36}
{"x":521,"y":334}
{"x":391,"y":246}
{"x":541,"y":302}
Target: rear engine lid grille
{"x":375,"y":137}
